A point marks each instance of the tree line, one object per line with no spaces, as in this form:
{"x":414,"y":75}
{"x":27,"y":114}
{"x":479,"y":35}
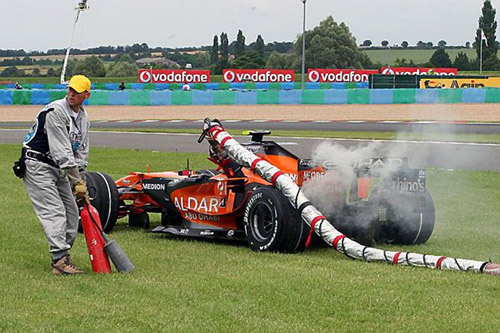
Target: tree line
{"x":485,"y":42}
{"x":421,"y":45}
{"x":328,"y":45}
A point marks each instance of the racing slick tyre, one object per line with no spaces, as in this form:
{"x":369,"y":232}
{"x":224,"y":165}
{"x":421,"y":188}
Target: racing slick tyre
{"x":104,"y":197}
{"x":404,"y":218}
{"x":271,"y":224}
{"x":356,"y":221}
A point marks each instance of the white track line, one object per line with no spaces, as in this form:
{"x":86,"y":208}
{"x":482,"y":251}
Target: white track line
{"x":313,"y":138}
{"x":390,"y":141}
{"x":305,"y":138}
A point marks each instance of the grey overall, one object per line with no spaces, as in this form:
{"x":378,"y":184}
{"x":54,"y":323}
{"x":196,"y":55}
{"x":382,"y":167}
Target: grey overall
{"x":62,"y":135}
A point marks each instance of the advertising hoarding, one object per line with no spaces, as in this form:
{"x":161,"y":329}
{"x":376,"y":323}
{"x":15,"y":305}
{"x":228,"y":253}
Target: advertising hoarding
{"x":173,"y":76}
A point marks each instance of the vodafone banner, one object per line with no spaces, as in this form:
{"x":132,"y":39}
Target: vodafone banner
{"x":173,"y":76}
{"x":258,"y":75}
{"x":418,"y":71}
{"x":339,"y":75}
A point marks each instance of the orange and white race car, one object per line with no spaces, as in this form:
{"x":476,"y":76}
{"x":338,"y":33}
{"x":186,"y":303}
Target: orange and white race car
{"x":233,"y":202}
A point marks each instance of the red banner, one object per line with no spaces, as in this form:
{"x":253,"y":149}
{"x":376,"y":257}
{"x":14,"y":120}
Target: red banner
{"x":418,"y":71}
{"x":173,"y":76}
{"x":339,"y":75}
{"x":258,"y":75}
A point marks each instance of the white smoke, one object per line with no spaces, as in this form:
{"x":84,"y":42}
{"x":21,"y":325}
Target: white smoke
{"x":423,"y":144}
{"x":328,"y":191}
{"x":336,"y":192}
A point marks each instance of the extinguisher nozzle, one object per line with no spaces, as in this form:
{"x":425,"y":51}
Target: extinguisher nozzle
{"x":118,"y":257}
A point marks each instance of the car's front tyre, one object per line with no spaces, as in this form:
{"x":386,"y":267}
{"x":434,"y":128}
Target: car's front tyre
{"x":271,"y":223}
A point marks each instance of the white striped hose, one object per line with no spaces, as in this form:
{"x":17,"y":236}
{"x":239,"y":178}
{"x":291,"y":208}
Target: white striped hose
{"x":323,"y":228}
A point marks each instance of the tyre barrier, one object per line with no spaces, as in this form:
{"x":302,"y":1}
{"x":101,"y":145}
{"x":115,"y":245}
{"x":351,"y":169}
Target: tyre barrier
{"x":202,"y":86}
{"x":253,"y":97}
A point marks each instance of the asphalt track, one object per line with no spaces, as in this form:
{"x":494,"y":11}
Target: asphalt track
{"x":454,"y":155}
{"x":320,"y":125}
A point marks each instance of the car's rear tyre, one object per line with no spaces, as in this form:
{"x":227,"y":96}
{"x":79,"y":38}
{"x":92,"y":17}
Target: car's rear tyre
{"x":356,"y":221}
{"x":404,"y":218}
{"x":104,"y":197}
{"x":271,"y":224}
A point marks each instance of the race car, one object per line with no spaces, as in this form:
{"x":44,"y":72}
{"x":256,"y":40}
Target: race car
{"x":234,"y":203}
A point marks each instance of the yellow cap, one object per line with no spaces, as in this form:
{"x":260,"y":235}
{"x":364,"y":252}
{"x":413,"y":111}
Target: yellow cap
{"x":79,"y":83}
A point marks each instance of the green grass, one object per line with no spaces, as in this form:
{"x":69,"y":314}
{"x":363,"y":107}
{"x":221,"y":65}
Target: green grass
{"x":198,"y":286}
{"x":428,"y":136}
{"x":388,"y":56}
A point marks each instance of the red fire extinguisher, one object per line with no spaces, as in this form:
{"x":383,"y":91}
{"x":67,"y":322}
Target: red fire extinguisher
{"x":91,"y":224}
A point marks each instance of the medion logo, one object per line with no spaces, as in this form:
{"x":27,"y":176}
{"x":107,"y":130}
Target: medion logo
{"x":153,"y":186}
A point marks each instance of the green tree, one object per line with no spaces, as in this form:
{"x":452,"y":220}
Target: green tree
{"x":330,"y":45}
{"x":239,"y":46}
{"x":35,"y":72}
{"x":403,"y":62}
{"x":27,"y":61}
{"x":51,"y":72}
{"x":440,"y":58}
{"x":200,"y":60}
{"x":224,"y":53}
{"x":214,"y":52}
{"x":260,"y":46}
{"x":69,"y":68}
{"x":384,"y":43}
{"x":404,"y":44}
{"x":367,"y":43}
{"x":91,"y":66}
{"x":488,"y":25}
{"x":442,"y":43}
{"x":461,"y":62}
{"x":250,"y":59}
{"x":127,"y":58}
{"x":11,"y":71}
{"x":122,"y":69}
{"x":280,"y":60}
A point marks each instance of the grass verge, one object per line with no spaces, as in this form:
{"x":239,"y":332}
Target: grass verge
{"x":188,"y":286}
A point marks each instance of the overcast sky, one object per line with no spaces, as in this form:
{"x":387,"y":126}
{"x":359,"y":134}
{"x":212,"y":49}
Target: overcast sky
{"x":42,"y":25}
